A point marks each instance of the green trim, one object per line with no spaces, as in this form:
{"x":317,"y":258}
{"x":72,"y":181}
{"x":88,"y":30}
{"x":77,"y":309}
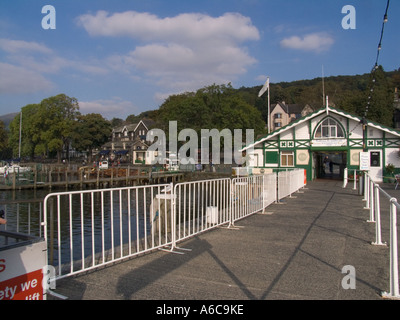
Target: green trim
{"x":393,"y":143}
{"x":320,"y":123}
{"x":384,"y":151}
{"x":263,"y":145}
{"x":271,"y":144}
{"x":310,"y":116}
{"x":329,"y":149}
{"x":355,"y":143}
{"x":302,"y":144}
{"x":294,"y":133}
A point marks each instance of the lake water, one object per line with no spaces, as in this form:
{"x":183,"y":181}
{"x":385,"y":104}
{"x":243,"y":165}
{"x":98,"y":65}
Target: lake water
{"x":86,"y":224}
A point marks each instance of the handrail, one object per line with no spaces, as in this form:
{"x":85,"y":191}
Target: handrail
{"x":372,"y":192}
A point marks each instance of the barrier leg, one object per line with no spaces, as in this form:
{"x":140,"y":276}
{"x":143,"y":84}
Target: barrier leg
{"x":371,"y":202}
{"x":367,"y":193}
{"x":394,"y":272}
{"x":377,"y":204}
{"x":345,"y":177}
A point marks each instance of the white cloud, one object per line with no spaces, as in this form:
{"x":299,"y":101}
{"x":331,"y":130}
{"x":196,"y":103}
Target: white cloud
{"x":187,"y":27}
{"x":15,"y":80}
{"x":316,"y":42}
{"x":180,"y":53}
{"x":262,"y":78}
{"x":15,"y":46}
{"x":26,"y":65}
{"x":109,"y":108}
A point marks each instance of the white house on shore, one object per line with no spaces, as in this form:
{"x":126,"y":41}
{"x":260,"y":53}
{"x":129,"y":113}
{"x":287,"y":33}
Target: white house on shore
{"x":325,"y":142}
{"x":129,"y":144}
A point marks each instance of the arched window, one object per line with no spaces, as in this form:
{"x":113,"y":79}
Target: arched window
{"x":329,"y":128}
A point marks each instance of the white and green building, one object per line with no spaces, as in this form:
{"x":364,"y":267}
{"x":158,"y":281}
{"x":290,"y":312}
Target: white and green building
{"x":324,"y":143}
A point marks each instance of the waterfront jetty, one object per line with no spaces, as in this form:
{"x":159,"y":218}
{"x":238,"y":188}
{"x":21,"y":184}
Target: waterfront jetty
{"x":68,"y":177}
{"x":298,"y":251}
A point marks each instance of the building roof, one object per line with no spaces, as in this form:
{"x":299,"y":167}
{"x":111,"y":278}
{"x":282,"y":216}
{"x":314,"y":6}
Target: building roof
{"x":289,"y":108}
{"x":148,"y":123}
{"x":317,"y":113}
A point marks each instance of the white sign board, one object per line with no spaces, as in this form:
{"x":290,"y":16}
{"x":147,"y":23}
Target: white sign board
{"x":364,"y":161}
{"x":329,"y":143}
{"x":21,"y":272}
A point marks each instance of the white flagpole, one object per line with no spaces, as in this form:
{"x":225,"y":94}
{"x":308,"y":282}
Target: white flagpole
{"x":262,"y":91}
{"x":20,"y":133}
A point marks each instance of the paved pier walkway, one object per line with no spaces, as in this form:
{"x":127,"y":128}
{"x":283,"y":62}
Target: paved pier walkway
{"x":295,"y":252}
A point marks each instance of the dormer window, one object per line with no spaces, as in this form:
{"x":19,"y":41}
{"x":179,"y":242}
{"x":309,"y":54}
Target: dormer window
{"x":328,"y":129}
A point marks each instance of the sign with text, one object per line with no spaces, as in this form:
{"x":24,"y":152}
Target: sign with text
{"x":21,"y":272}
{"x":364,"y":161}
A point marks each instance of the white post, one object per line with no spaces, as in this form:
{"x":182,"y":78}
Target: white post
{"x":345,"y":177}
{"x":378,"y":241}
{"x":263,"y":194}
{"x":394,"y":272}
{"x":366,"y":193}
{"x":355,"y":180}
{"x":20,"y":134}
{"x":371,"y":202}
{"x":173,"y":218}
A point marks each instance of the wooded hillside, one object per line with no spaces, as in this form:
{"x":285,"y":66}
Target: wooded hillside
{"x":221,"y":106}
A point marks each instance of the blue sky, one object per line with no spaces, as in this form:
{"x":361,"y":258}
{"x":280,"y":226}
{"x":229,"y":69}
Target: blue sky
{"x":123,"y":57}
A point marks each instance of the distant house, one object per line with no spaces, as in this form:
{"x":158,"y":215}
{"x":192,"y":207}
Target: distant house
{"x":128,"y":144}
{"x":282,"y":114}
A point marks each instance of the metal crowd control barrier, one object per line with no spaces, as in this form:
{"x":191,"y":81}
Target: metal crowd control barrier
{"x":289,"y":182}
{"x":23,"y":216}
{"x":247,"y":196}
{"x":89,"y":229}
{"x":372,"y":191}
{"x":104,"y":226}
{"x":200,"y":206}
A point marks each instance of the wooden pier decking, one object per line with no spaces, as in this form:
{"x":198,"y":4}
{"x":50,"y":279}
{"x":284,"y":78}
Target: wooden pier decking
{"x":81,"y":179}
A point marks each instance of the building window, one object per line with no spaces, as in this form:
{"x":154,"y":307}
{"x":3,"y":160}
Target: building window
{"x":329,"y":128}
{"x":271,"y":157}
{"x":278,"y":115}
{"x":287,"y":159}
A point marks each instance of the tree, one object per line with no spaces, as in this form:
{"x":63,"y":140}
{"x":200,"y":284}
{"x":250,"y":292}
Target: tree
{"x":4,"y":149}
{"x":46,"y":127}
{"x":381,"y":107}
{"x":90,"y":131}
{"x":57,"y":116}
{"x":30,"y":133}
{"x":150,"y":114}
{"x":213,"y":107}
{"x":116,"y":122}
